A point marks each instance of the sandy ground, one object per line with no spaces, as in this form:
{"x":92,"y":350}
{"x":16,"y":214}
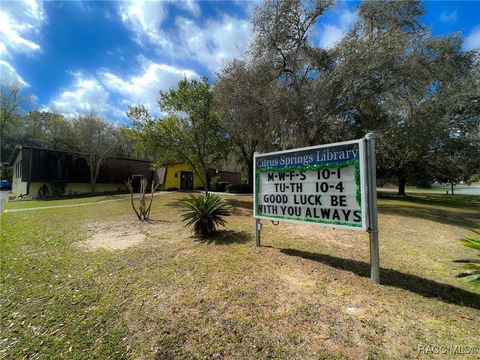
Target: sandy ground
{"x":120,"y":235}
{"x":113,"y":235}
{"x":114,"y":240}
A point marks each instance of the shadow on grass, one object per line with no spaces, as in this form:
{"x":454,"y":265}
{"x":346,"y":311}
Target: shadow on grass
{"x":175,"y":203}
{"x":452,"y":201}
{"x":227,"y":237}
{"x":241,"y":204}
{"x":156,"y":221}
{"x":469,"y":220}
{"x":424,"y":287}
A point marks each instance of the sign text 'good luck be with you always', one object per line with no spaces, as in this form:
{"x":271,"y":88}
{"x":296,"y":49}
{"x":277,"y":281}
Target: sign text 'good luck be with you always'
{"x":323,"y":184}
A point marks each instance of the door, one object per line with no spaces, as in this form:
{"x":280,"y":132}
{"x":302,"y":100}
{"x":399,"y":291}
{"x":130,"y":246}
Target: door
{"x":186,"y":180}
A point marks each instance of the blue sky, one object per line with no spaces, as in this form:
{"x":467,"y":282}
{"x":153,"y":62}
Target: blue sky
{"x":77,"y":55}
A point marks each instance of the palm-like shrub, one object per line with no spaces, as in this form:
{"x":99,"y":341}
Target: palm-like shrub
{"x":472,"y":267}
{"x":205,"y":213}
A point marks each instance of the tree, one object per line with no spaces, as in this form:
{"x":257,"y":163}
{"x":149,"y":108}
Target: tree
{"x":139,"y":139}
{"x":241,"y":100}
{"x":190,"y":132}
{"x":455,"y":156}
{"x":49,"y":130}
{"x":283,"y":46}
{"x":390,"y":71}
{"x":95,"y":141}
{"x":12,"y":102}
{"x":143,"y":211}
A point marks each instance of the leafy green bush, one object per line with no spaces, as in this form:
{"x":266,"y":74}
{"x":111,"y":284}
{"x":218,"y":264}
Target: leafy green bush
{"x":205,"y":213}
{"x":472,"y":267}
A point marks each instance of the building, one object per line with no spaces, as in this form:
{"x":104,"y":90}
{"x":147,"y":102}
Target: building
{"x":182,"y":177}
{"x":40,"y":173}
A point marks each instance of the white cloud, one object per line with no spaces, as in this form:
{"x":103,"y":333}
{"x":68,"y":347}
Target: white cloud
{"x":86,"y":93}
{"x":9,"y":75}
{"x":144,"y":18}
{"x":110,"y":94}
{"x":347,"y":19}
{"x":190,"y":6}
{"x":472,"y":41}
{"x":18,"y":22}
{"x":449,"y":17}
{"x":332,"y":34}
{"x":210,"y":44}
{"x":216,"y":42}
{"x":144,"y":88}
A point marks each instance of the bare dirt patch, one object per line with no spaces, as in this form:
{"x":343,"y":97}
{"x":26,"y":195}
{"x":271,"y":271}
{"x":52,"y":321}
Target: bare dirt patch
{"x":120,"y":235}
{"x":114,"y":240}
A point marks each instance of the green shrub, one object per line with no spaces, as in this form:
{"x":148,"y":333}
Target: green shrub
{"x":472,"y":267}
{"x":58,"y":188}
{"x":205,"y":213}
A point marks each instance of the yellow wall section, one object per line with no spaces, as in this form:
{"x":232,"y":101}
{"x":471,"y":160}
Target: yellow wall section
{"x":174,"y":182}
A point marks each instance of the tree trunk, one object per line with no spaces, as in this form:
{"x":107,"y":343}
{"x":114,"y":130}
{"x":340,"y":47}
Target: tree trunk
{"x":92,"y":176}
{"x":248,"y":158}
{"x":250,"y":171}
{"x":207,"y":182}
{"x":451,"y":187}
{"x":402,"y":178}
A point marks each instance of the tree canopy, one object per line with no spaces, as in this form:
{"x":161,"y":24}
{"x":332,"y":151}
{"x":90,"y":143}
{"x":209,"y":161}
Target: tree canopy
{"x":190,"y":132}
{"x":389,"y":75}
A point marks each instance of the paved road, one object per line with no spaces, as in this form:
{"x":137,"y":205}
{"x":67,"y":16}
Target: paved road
{"x":3,"y":198}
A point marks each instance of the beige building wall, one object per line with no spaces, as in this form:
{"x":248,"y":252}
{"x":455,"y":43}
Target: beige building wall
{"x":18,"y":186}
{"x":75,"y":188}
{"x":81,"y":188}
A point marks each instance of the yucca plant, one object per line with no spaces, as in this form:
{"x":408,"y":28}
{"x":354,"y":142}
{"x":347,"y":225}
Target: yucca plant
{"x":472,"y":267}
{"x":205,"y":212}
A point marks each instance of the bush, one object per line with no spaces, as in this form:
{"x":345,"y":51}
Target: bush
{"x":58,"y":188}
{"x":240,"y":189}
{"x":200,"y":188}
{"x":220,"y":186}
{"x":205,"y":213}
{"x":472,"y":267}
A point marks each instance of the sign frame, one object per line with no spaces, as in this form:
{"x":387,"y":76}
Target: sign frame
{"x":362,"y":163}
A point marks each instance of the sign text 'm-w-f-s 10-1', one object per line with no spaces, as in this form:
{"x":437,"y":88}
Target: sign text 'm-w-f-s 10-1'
{"x":325,"y":185}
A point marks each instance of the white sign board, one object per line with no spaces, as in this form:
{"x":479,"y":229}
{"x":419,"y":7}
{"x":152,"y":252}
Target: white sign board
{"x":324,"y":185}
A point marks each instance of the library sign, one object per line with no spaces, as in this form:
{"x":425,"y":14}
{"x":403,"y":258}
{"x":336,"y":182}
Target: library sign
{"x":324,"y":185}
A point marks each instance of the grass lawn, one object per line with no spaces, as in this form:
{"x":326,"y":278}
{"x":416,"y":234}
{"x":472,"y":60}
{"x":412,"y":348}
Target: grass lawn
{"x":91,"y":282}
